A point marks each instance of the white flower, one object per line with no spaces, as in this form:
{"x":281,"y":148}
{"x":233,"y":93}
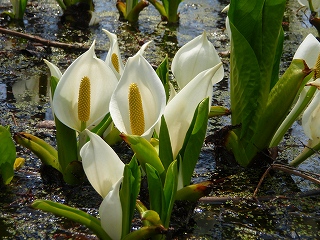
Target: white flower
{"x":79,"y":110}
{"x":113,"y":58}
{"x":138,"y":117}
{"x":101,"y":164}
{"x":180,"y":110}
{"x":194,"y":57}
{"x":104,"y":171}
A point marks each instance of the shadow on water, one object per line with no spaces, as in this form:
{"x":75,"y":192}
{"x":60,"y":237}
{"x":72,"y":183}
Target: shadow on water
{"x":291,"y":209}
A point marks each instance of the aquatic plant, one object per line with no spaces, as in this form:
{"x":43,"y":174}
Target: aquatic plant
{"x":18,"y":10}
{"x":168,"y":9}
{"x":130,"y":9}
{"x":80,"y":100}
{"x":138,"y":101}
{"x":256,"y":91}
{"x":8,"y":155}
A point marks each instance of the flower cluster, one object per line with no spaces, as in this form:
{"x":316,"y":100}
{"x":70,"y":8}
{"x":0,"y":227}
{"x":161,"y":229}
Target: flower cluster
{"x":135,"y":97}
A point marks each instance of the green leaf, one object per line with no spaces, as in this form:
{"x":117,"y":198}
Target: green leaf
{"x":73,"y":214}
{"x":144,"y":151}
{"x":256,"y":38}
{"x":234,"y":145}
{"x":160,"y":8}
{"x":165,"y":150}
{"x":276,"y":64}
{"x":279,"y":103}
{"x":156,"y":195}
{"x":247,"y":96}
{"x":44,"y":151}
{"x":194,"y":140}
{"x":163,"y":73}
{"x":23,"y":5}
{"x":295,"y":112}
{"x":171,"y":7}
{"x":169,"y":192}
{"x":7,"y":155}
{"x":218,"y":111}
{"x":67,"y":144}
{"x":103,"y":125}
{"x":128,"y":193}
{"x":133,"y":15}
{"x":145,"y":233}
{"x":194,"y":192}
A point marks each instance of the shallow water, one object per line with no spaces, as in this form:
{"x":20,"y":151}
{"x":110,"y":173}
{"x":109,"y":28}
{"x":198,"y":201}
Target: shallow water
{"x":24,"y":103}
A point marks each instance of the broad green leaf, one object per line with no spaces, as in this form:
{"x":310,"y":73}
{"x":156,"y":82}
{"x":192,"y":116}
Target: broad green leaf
{"x":194,"y":140}
{"x":245,"y":87}
{"x":256,"y":45}
{"x":156,"y":195}
{"x":169,"y":192}
{"x":73,"y":214}
{"x":7,"y":155}
{"x":165,"y":150}
{"x":276,"y":64}
{"x":272,"y":40}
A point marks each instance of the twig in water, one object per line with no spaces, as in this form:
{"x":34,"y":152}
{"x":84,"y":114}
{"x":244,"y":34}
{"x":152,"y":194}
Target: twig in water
{"x":43,"y":41}
{"x":290,"y":170}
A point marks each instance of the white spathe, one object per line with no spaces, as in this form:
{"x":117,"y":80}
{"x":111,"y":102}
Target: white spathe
{"x":114,"y":49}
{"x":101,"y":164}
{"x":139,"y":71}
{"x":110,"y":212}
{"x":102,"y":81}
{"x":180,"y":110}
{"x":194,"y":57}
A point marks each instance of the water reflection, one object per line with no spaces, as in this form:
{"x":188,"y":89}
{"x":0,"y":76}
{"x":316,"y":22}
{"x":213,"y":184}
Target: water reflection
{"x":30,"y":97}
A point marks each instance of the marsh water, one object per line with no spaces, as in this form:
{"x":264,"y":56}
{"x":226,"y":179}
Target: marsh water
{"x":289,"y":206}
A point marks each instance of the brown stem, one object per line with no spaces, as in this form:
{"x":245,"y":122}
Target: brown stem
{"x":290,"y":170}
{"x":43,"y":41}
{"x":225,"y":199}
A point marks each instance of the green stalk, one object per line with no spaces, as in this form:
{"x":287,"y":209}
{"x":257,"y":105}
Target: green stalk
{"x":160,"y":9}
{"x":309,"y":150}
{"x":235,"y":146}
{"x":301,"y":104}
{"x":133,"y":15}
{"x":73,"y":214}
{"x":279,"y":103}
{"x":171,"y":7}
{"x":66,"y":143}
